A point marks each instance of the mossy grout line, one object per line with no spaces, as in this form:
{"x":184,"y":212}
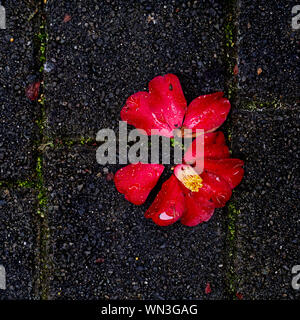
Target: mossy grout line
{"x":231,"y":61}
{"x":41,"y":286}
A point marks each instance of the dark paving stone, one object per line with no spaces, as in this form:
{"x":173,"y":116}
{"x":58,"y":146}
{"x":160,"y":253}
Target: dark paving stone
{"x":17,"y":127}
{"x":17,"y":242}
{"x":107,"y":52}
{"x":268,"y":238}
{"x":267,"y":41}
{"x":102,"y":246}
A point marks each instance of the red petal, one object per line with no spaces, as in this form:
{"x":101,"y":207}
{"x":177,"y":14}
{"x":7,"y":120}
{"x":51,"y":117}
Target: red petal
{"x":214,"y":147}
{"x":207,"y":288}
{"x":207,"y":112}
{"x":198,"y":209}
{"x":136,"y":181}
{"x":216,"y":188}
{"x":32,"y":91}
{"x":167,"y":100}
{"x":229,"y":169}
{"x":138,"y":113}
{"x":168,"y":205}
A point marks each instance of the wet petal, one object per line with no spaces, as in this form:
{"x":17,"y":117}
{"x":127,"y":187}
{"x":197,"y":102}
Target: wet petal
{"x":229,"y":169}
{"x":214,"y":147}
{"x":138,"y":113}
{"x":168,"y":205}
{"x":167,"y":100}
{"x":32,"y":91}
{"x":207,"y":112}
{"x":198,"y":209}
{"x":216,"y":189}
{"x":136,"y":181}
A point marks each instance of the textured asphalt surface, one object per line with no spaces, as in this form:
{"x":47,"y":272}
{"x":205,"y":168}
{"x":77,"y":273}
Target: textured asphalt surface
{"x":107,"y":52}
{"x":17,"y":65}
{"x":17,"y":242}
{"x":100,"y":246}
{"x":268,"y":223}
{"x":269,"y":63}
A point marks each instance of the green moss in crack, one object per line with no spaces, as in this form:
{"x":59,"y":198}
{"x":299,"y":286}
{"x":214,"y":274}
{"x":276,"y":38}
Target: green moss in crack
{"x":26,"y":184}
{"x":85,"y":140}
{"x":233,"y":213}
{"x":42,"y":195}
{"x":256,"y":105}
{"x":43,"y":40}
{"x":229,"y":32}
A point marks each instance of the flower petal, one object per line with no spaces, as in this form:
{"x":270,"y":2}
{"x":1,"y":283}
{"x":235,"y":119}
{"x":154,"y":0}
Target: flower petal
{"x":216,"y":188}
{"x":168,"y":205}
{"x":167,"y":100}
{"x":214,"y":147}
{"x":32,"y":91}
{"x":229,"y":169}
{"x":136,"y":181}
{"x":207,"y":112}
{"x":198,"y":209}
{"x":138,"y":113}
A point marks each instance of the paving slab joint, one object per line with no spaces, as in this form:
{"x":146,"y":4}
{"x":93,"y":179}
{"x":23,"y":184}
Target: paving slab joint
{"x":230,"y":49}
{"x":231,"y":91}
{"x":231,"y":277}
{"x":42,"y":260}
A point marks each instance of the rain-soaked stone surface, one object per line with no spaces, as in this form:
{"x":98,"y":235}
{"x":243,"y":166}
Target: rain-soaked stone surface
{"x":268,"y":52}
{"x":102,"y":246}
{"x":268,"y":225}
{"x":17,"y":112}
{"x":17,"y":242}
{"x":101,"y":54}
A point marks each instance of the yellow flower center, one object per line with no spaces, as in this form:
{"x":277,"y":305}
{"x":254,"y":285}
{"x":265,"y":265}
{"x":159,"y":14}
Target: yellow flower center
{"x":193,"y":182}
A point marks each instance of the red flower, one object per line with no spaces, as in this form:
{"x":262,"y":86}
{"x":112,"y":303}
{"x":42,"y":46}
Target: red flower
{"x":188,"y":195}
{"x":164,"y":107}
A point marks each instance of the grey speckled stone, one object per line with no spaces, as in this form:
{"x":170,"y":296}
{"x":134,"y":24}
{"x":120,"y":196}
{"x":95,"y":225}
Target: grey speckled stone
{"x":17,"y":242}
{"x":17,"y":126}
{"x":267,"y":41}
{"x":102,"y":246}
{"x":107,"y":52}
{"x":268,"y":199}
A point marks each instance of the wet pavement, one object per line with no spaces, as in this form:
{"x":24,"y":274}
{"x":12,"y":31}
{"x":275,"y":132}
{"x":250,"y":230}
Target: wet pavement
{"x":18,"y":114}
{"x":18,"y":244}
{"x":65,"y":232}
{"x":105,"y":53}
{"x":269,"y":63}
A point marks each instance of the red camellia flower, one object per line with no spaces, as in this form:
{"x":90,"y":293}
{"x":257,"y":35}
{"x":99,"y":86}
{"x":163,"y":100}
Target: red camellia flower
{"x":188,"y":195}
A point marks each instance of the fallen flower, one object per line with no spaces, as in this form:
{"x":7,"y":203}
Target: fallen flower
{"x":189,"y":195}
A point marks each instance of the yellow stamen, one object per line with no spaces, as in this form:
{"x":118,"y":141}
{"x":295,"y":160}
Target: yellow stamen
{"x":193,"y":182}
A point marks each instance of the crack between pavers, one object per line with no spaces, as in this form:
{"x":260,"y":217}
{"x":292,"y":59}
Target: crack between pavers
{"x":41,"y":218}
{"x":231,"y":61}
